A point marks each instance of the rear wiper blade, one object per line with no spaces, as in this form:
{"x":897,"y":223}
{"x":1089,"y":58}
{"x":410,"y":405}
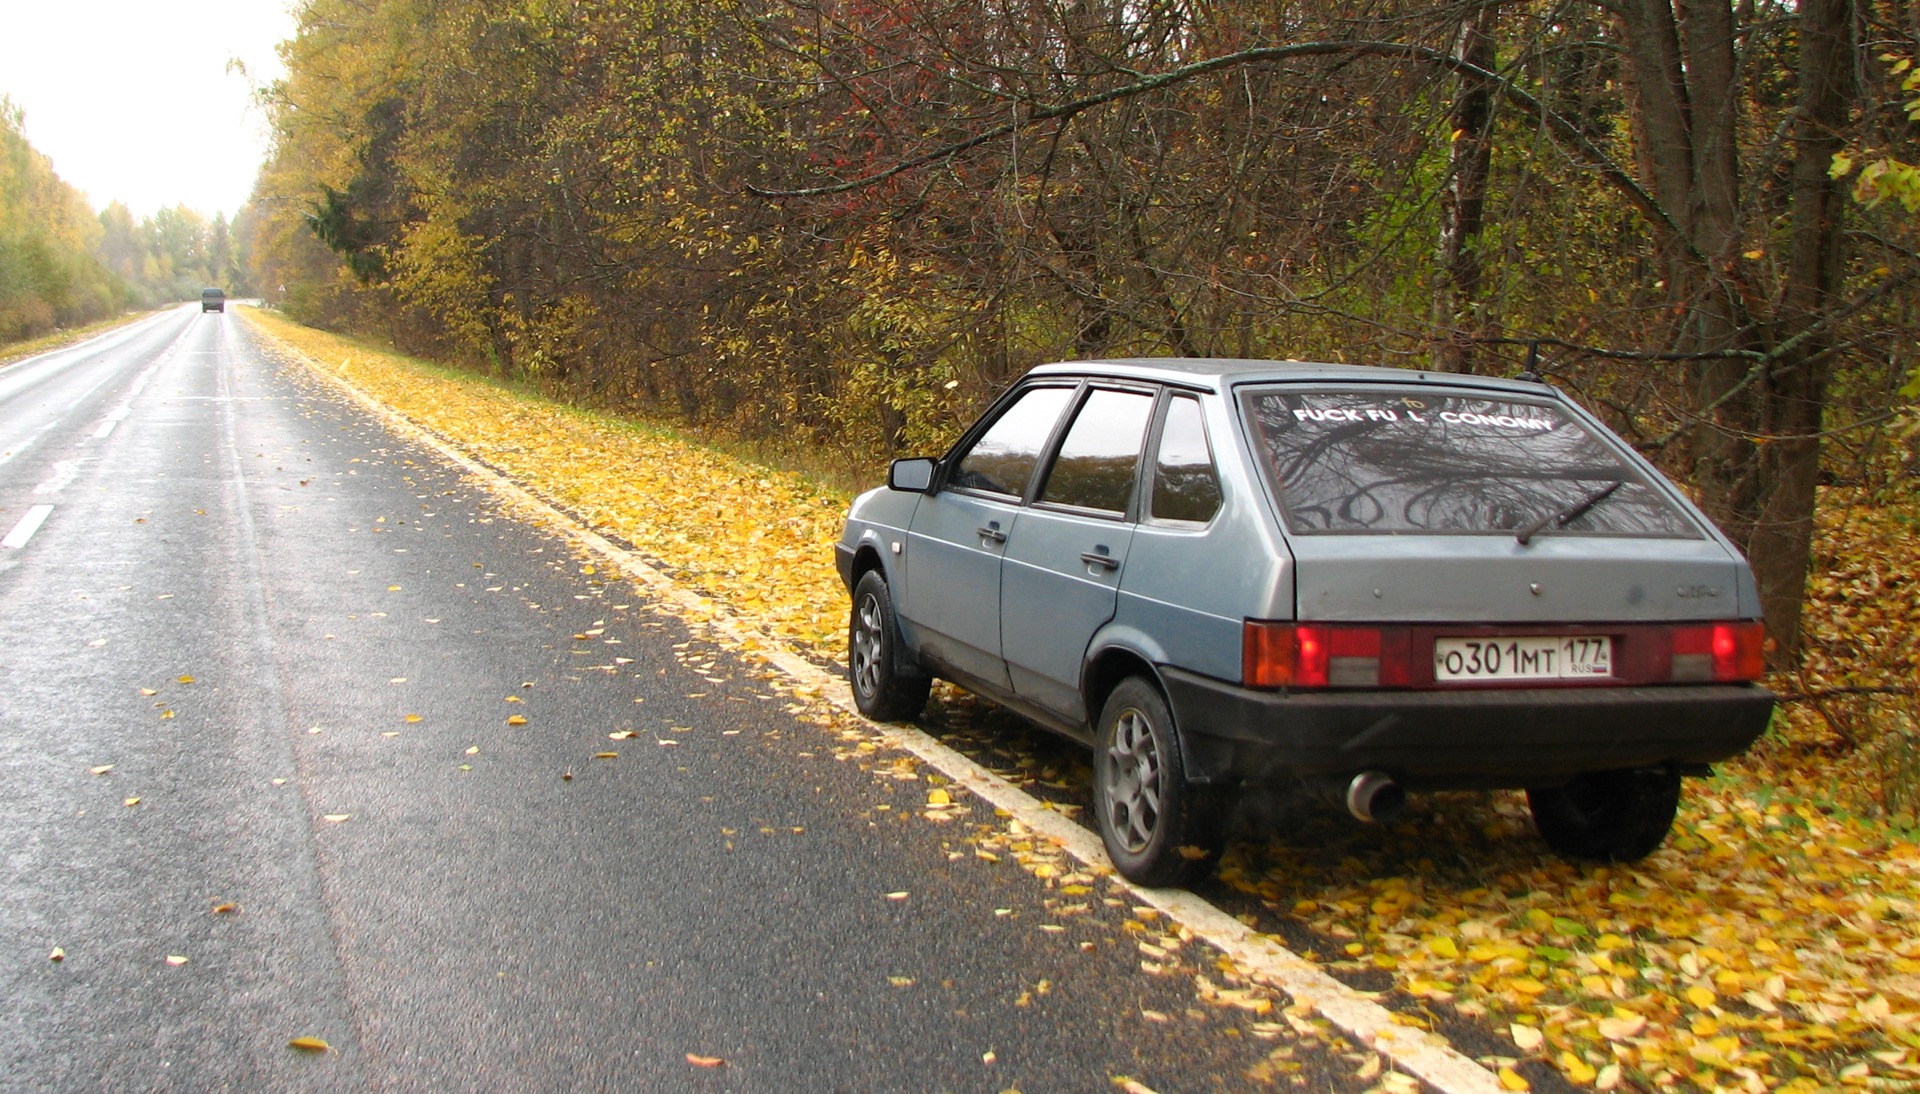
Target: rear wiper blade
{"x":1560,"y":518}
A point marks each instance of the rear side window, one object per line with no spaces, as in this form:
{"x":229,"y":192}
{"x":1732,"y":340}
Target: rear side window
{"x":1185,"y":485}
{"x":1402,"y":460}
{"x":1101,"y":453}
{"x":1004,"y":457}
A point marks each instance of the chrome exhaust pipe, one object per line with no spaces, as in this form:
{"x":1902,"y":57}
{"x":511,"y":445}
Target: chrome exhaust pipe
{"x":1374,"y":796}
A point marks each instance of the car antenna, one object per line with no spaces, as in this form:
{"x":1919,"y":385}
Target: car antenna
{"x":1531,"y":372}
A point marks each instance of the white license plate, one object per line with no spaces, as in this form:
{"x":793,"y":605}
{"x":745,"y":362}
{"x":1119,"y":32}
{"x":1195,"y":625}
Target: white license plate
{"x":1533,"y":658}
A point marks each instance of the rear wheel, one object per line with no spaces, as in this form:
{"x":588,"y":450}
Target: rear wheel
{"x":881,"y":689}
{"x":1159,"y":830}
{"x":1608,"y":816}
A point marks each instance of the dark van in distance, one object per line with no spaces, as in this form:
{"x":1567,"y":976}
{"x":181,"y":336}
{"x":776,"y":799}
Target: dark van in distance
{"x":213,"y":300}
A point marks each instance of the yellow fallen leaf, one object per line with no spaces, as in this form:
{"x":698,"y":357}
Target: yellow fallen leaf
{"x":901,"y":895}
{"x":225,"y":908}
{"x":474,"y":751}
{"x":58,"y":954}
{"x":623,"y":735}
{"x":1577,"y":1069}
{"x":937,"y":796}
{"x":185,"y":679}
{"x":606,"y":755}
{"x":516,"y":720}
{"x":335,"y":818}
{"x":1511,"y":1080}
{"x":149,"y":692}
{"x":176,"y":960}
{"x":705,"y":1061}
{"x":131,"y":802}
{"x":900,"y":981}
{"x":101,"y":770}
{"x":309,"y":1044}
{"x":412,"y":718}
{"x":1701,"y":996}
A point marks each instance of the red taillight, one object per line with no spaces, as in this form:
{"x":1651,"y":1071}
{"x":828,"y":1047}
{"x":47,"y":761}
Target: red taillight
{"x":1305,"y":655}
{"x":1721,"y":652}
{"x":1268,"y":654}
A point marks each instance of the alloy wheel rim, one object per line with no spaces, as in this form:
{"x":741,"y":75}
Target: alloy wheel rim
{"x":865,"y":654}
{"x":1133,"y":781}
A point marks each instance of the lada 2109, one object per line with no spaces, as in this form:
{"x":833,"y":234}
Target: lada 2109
{"x":1222,"y":574}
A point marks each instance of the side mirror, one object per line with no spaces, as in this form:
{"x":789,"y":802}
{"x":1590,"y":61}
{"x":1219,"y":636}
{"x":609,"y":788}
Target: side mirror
{"x":914,"y":476}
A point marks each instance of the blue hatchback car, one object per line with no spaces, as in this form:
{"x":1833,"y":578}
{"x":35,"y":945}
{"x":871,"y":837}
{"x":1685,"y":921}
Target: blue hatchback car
{"x":1225,"y":573}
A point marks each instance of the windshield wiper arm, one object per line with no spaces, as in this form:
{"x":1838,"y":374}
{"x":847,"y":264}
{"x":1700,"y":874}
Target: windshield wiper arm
{"x":1560,"y":518}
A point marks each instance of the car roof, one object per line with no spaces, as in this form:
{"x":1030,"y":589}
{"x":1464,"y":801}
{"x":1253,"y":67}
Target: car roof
{"x":1220,"y":372}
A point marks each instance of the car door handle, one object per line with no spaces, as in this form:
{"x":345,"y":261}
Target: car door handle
{"x":992,"y":533}
{"x":1101,"y":559}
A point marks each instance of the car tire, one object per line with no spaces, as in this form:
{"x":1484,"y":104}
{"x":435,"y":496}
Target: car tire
{"x":1159,"y":829}
{"x":883,"y":688}
{"x":1608,"y":816}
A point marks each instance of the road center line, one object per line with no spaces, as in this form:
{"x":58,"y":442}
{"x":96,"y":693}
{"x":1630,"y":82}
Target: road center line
{"x":29,"y":524}
{"x":120,"y":413}
{"x":64,"y":472}
{"x":1418,"y":1052}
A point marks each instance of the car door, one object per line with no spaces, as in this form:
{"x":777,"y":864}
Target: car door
{"x":1061,"y":577}
{"x":955,"y":543}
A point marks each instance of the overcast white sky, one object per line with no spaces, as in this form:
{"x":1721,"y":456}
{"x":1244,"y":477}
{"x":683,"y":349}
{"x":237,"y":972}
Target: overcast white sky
{"x":132,"y":98}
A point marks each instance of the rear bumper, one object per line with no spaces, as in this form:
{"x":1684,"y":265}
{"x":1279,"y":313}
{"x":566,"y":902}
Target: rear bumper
{"x":1430,"y":740}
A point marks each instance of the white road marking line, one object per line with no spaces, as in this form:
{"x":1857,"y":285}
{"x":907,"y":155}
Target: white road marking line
{"x":64,"y":472}
{"x":1427,"y":1056}
{"x":119,"y":414}
{"x":29,"y":524}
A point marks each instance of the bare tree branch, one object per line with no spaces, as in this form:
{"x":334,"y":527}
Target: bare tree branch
{"x":1574,"y":141}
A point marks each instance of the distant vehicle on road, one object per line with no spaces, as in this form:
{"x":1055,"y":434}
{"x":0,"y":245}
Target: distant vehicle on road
{"x":213,"y":300}
{"x":1223,"y":574}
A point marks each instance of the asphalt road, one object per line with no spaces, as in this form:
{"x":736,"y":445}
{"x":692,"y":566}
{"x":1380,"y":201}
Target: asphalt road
{"x":258,"y":661}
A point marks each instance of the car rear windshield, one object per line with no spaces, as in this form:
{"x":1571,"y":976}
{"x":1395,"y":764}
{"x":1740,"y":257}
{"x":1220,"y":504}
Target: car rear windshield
{"x":1422,"y":461}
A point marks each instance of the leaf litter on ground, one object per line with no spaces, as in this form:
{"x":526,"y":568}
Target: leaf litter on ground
{"x":1773,"y":943}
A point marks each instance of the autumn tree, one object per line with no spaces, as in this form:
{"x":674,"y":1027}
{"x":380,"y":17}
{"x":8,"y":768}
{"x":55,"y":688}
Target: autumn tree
{"x":846,"y":224}
{"x":49,"y":276}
